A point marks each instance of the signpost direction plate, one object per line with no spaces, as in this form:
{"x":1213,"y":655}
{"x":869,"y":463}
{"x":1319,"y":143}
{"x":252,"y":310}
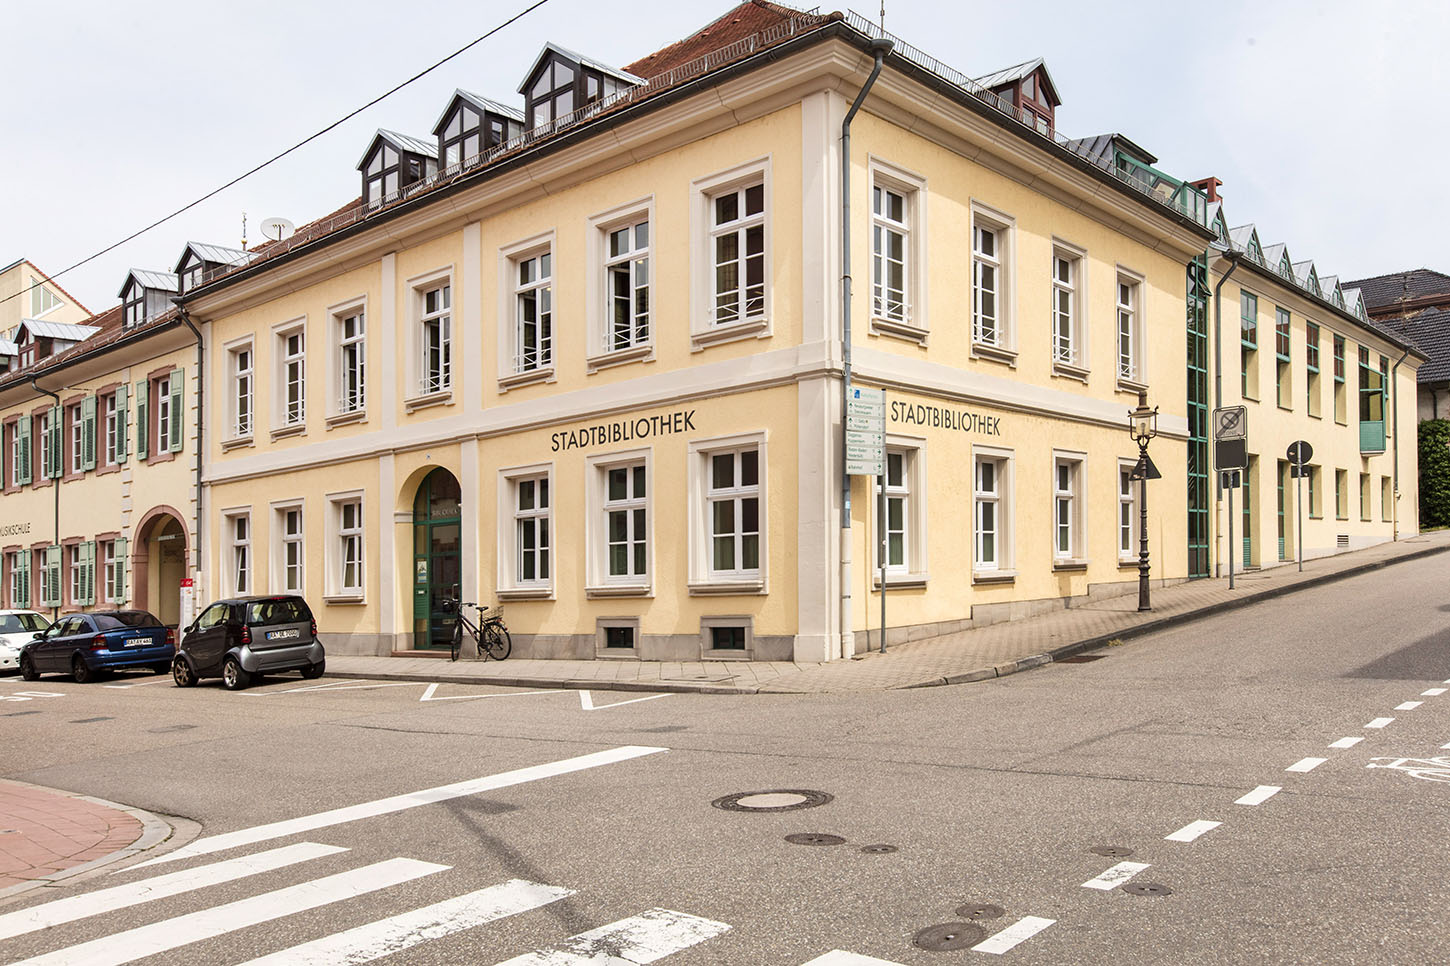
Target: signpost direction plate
{"x":866,"y":432}
{"x":1231,"y":422}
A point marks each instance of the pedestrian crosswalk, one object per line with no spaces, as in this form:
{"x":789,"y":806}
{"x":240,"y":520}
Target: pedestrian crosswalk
{"x":648,"y":936}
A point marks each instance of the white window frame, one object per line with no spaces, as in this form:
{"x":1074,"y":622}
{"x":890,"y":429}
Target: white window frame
{"x":241,"y":385}
{"x":342,"y":409}
{"x":75,"y":574}
{"x":703,"y":578}
{"x":238,"y":564}
{"x":1069,"y":333}
{"x":18,"y":600}
{"x":599,"y":581}
{"x":111,"y":423}
{"x":1003,"y":347}
{"x":1136,"y":378}
{"x":75,"y":418}
{"x":509,"y":293}
{"x":41,"y":470}
{"x":1074,"y":499}
{"x":289,"y":365}
{"x":424,"y":389}
{"x":912,"y":322}
{"x":106,"y":550}
{"x":1002,"y":497}
{"x":340,"y":538}
{"x":162,"y":388}
{"x":704,"y":330}
{"x":599,"y":299}
{"x":912,"y":489}
{"x":509,"y":564}
{"x":1127,"y":503}
{"x":283,"y":541}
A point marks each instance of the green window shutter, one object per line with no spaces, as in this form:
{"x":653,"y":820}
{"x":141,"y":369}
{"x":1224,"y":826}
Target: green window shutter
{"x":177,"y":378}
{"x":88,"y":574}
{"x":24,"y":600}
{"x":142,"y":434}
{"x":56,"y":462}
{"x":23,"y":430}
{"x":121,"y":416}
{"x":88,"y":433}
{"x":50,"y":589}
{"x":118,"y":588}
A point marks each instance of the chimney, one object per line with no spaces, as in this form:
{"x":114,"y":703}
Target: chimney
{"x":1208,"y":186}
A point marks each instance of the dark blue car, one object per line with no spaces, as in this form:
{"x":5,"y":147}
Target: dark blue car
{"x":85,"y":645}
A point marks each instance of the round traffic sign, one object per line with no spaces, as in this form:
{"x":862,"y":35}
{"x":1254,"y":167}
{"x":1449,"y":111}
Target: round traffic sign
{"x":1300,"y":452}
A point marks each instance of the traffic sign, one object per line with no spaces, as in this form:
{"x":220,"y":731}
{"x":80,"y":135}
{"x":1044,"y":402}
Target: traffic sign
{"x":1297,"y":470}
{"x":1231,"y":454}
{"x":1229,"y":479}
{"x":866,"y":432}
{"x":1231,"y":422}
{"x":1145,"y":470}
{"x":1300,"y":452}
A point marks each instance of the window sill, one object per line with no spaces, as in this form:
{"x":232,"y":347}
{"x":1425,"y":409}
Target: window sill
{"x":898,"y":330}
{"x":619,"y":357}
{"x":1069,"y":371}
{"x":344,"y":599}
{"x":111,"y":468}
{"x":442,"y":397}
{"x":344,"y":419}
{"x":1127,"y":563}
{"x":525,"y":593}
{"x":731,"y":655}
{"x":900,"y":581}
{"x":160,"y":458}
{"x":1069,"y":566}
{"x":1316,"y":416}
{"x":619,"y":590}
{"x":282,"y":432}
{"x":994,"y":576}
{"x":516,"y":379}
{"x":757,"y":328}
{"x":1283,"y":408}
{"x":73,"y":476}
{"x":236,"y":442}
{"x":715,"y":588}
{"x":1131,"y":386}
{"x":994,"y":353}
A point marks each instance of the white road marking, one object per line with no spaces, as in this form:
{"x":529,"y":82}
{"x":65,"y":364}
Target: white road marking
{"x":1346,"y":742}
{"x":159,"y":937}
{"x":1408,"y":706}
{"x":398,"y":803}
{"x":1259,"y":795}
{"x":1115,"y":876}
{"x":331,"y":686}
{"x":428,"y":694}
{"x":1020,"y":931}
{"x":1446,"y":745}
{"x":586,"y":701}
{"x":839,"y":957}
{"x":1432,"y":693}
{"x":40,"y":694}
{"x":1379,"y":722}
{"x":1306,"y":764}
{"x":649,"y":936}
{"x":1192,"y":831}
{"x":160,"y":679}
{"x":159,"y":887}
{"x":396,"y":933}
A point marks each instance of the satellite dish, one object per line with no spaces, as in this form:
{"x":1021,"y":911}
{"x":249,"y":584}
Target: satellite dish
{"x":277,"y":229}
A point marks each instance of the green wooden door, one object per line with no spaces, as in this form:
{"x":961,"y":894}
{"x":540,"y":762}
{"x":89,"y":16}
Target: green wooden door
{"x":437,"y":558}
{"x":1249,"y":514}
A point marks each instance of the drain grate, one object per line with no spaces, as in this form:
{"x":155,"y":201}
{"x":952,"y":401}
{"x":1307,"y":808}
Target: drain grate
{"x":1112,"y":851}
{"x":814,"y":838}
{"x":1147,"y":889}
{"x":773,"y":800}
{"x":882,"y":849}
{"x":980,"y":910}
{"x":948,"y":936}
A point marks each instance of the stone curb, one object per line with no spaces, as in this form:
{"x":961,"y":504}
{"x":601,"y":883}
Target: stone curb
{"x":154,"y":831}
{"x":566,"y":685}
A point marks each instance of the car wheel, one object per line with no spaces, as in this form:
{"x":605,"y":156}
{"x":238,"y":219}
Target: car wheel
{"x":182,"y":673}
{"x":312,"y":671}
{"x":81,"y":672}
{"x":234,"y":676}
{"x":27,"y":669}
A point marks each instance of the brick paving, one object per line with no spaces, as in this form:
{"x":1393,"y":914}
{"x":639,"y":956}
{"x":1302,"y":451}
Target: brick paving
{"x":969,"y":655}
{"x":44,"y":833}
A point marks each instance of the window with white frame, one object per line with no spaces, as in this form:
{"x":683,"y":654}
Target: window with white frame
{"x":292,"y":376}
{"x":737,"y":253}
{"x":290,"y":548}
{"x":19,"y":564}
{"x":890,"y":232}
{"x":243,"y":385}
{"x":12,"y":435}
{"x":112,"y":409}
{"x":113,"y":573}
{"x":436,"y":346}
{"x":47,"y":444}
{"x":732,"y":504}
{"x":991,"y":497}
{"x":77,"y":437}
{"x":627,"y":285}
{"x":239,"y":552}
{"x":345,"y":555}
{"x":905,"y":521}
{"x":989,"y":278}
{"x":1067,"y":503}
{"x":533,"y":312}
{"x":1130,"y":367}
{"x":626,"y":524}
{"x":1127,"y":510}
{"x":531,"y":517}
{"x":163,"y":414}
{"x":351,"y":363}
{"x":76,"y":572}
{"x":1067,"y":308}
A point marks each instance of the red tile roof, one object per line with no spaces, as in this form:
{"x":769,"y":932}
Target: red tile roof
{"x":746,"y":20}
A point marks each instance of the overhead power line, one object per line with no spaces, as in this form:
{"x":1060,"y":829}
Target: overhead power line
{"x":278,"y":157}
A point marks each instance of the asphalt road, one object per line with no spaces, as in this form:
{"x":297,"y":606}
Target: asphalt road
{"x":991,"y":794}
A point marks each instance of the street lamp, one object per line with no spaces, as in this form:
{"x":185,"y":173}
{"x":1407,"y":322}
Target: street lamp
{"x":1143,"y":425}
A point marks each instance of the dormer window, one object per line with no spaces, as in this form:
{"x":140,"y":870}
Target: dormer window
{"x":393,"y":162}
{"x":1028,"y":88}
{"x":381,"y":178}
{"x":552,"y":94}
{"x":191,"y":272}
{"x":561,"y":82}
{"x":470,"y":125}
{"x":133,"y":311}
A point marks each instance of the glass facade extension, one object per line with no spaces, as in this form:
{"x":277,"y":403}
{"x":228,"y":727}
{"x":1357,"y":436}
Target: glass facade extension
{"x":1198,"y":466}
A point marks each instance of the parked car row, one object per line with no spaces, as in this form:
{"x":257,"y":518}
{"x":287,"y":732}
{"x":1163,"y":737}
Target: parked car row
{"x":237,"y":639}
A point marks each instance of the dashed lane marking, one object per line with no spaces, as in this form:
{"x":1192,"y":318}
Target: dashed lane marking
{"x":1020,"y":931}
{"x":1349,"y":742}
{"x":1115,"y":876}
{"x":1192,"y":831}
{"x":1379,"y":722}
{"x":1408,"y":706}
{"x":586,"y":701}
{"x":1432,"y":693}
{"x":651,"y":935}
{"x":839,"y":957}
{"x":1306,"y":764}
{"x":1259,"y":795}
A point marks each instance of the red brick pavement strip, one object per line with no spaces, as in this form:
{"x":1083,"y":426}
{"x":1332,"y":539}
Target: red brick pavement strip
{"x":47,"y":835}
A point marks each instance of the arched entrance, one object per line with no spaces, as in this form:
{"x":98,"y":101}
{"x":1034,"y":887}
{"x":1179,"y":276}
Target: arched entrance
{"x":159,"y":565}
{"x":437,"y":558}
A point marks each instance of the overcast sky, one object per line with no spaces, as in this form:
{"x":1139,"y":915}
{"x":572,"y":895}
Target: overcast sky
{"x":1325,"y":119}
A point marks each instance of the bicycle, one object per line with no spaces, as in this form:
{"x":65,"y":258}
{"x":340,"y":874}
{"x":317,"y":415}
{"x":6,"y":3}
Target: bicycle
{"x":490,"y":634}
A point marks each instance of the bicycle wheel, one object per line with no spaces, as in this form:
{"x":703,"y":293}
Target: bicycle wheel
{"x":457,"y":638}
{"x":497,"y":642}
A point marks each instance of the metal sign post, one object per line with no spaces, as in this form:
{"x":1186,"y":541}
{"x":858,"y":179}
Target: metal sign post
{"x":1299,"y":454}
{"x":1229,"y":480}
{"x":1230,"y":452}
{"x":866,"y":456}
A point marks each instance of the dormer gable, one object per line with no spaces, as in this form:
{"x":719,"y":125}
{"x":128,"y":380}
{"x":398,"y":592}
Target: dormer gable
{"x":37,"y":339}
{"x":1216,"y":221}
{"x":561,"y":81}
{"x":392,"y":162}
{"x":471,"y":124}
{"x":1277,"y":257}
{"x":1246,"y":239}
{"x":146,"y":295}
{"x":199,"y":262}
{"x":1307,"y":277}
{"x":1329,"y":286}
{"x":1030,"y":90}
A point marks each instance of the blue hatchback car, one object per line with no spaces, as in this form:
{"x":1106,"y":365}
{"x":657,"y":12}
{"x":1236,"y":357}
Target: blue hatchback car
{"x":85,"y":645}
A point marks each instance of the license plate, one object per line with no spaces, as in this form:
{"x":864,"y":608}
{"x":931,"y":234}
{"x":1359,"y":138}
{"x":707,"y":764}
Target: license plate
{"x":138,"y":642}
{"x":286,"y":635}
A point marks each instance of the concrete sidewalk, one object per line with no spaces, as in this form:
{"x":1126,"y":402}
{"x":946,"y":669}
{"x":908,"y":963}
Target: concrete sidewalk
{"x":971,"y":655}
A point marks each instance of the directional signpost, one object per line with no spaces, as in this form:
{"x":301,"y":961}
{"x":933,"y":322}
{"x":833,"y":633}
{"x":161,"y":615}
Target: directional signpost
{"x":866,"y":456}
{"x":1230,"y":457}
{"x":1299,"y":455}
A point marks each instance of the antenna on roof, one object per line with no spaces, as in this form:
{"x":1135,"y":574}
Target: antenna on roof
{"x":883,"y":18}
{"x":277,"y":229}
{"x":244,"y":231}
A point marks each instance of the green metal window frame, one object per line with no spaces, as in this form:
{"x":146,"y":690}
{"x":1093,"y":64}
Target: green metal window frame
{"x":1339,"y":358}
{"x":1198,"y":460}
{"x":1311,"y":346}
{"x":1281,"y":334}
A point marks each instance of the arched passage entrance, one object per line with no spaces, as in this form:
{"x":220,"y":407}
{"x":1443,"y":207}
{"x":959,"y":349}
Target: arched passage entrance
{"x":437,"y":557}
{"x":158,"y":565}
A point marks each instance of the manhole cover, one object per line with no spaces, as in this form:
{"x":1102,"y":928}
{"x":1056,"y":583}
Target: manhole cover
{"x":949,"y":935}
{"x":1112,"y":851}
{"x":814,"y":838}
{"x":774,"y":800}
{"x":980,"y":910}
{"x":1147,"y":889}
{"x":878,"y":849}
